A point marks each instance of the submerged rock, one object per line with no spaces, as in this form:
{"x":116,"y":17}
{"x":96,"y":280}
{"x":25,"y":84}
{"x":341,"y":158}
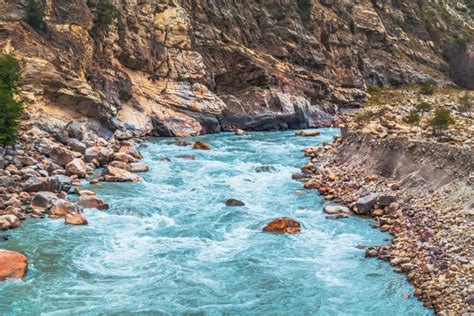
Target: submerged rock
{"x":283,"y":225}
{"x":306,"y":133}
{"x":182,"y":143}
{"x":186,"y":157}
{"x":201,"y":145}
{"x":13,"y":265}
{"x":265,"y":169}
{"x":234,"y":202}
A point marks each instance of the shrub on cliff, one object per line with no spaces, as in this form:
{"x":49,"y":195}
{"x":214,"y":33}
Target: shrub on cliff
{"x":106,"y":14}
{"x":412,"y":118}
{"x":35,"y":14}
{"x":423,"y":107}
{"x":441,"y":121}
{"x":427,"y":88}
{"x":10,"y":109}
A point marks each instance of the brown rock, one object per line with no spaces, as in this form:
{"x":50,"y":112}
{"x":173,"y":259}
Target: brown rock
{"x":183,"y":143}
{"x":201,"y":145}
{"x":13,"y":265}
{"x":306,"y":133}
{"x":43,"y":200}
{"x":77,"y":167}
{"x":92,"y":201}
{"x":61,"y":208}
{"x":112,"y":174}
{"x":234,"y":202}
{"x":283,"y":225}
{"x":124,"y":157}
{"x":61,"y":155}
{"x":186,"y":157}
{"x":75,"y":219}
{"x":9,"y":222}
{"x":138,"y":167}
{"x":103,"y":155}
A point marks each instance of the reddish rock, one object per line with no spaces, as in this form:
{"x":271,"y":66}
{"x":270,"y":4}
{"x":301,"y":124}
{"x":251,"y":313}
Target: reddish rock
{"x":201,"y":145}
{"x":13,"y":265}
{"x":77,"y":167}
{"x":283,"y":225}
{"x":234,"y":202}
{"x":61,"y":208}
{"x":61,"y":155}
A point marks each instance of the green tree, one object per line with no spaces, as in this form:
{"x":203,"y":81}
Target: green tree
{"x":35,"y":14}
{"x":10,"y":109}
{"x":106,"y":14}
{"x":441,"y":120}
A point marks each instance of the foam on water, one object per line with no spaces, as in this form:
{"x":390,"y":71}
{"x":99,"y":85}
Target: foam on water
{"x":169,"y":245}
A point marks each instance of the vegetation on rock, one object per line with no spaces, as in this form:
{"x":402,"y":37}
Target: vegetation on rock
{"x":441,"y":120}
{"x":106,"y":14}
{"x":35,"y":14}
{"x":10,"y":108}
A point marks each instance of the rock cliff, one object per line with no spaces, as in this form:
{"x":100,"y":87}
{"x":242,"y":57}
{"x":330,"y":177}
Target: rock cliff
{"x":187,"y":67}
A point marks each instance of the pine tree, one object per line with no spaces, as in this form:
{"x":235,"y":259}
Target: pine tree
{"x":10,"y":109}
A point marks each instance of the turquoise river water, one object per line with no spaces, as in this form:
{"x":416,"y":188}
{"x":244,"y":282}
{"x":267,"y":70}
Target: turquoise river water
{"x":170,"y":246}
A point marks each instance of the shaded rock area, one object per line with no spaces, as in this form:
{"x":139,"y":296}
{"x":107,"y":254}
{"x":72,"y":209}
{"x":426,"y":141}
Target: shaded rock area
{"x":234,"y":202}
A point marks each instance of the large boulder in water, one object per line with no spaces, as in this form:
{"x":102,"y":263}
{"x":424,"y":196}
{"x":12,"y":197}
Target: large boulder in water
{"x":9,"y":221}
{"x":75,"y":219}
{"x":92,"y":201}
{"x":61,"y":208}
{"x":201,"y":145}
{"x":283,"y":225}
{"x":13,"y":265}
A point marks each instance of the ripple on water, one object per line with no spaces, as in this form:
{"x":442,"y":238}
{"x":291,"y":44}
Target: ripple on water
{"x":170,"y":245}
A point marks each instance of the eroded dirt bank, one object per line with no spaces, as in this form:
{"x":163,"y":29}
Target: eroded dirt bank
{"x":422,"y":193}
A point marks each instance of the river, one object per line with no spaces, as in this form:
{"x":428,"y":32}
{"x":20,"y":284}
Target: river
{"x":169,"y":245}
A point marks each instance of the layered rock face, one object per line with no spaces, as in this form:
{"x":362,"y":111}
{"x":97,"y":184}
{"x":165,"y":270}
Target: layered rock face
{"x":186,"y":67}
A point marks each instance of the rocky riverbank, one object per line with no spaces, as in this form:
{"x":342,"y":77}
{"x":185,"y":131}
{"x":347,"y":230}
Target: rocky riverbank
{"x":421,"y":193}
{"x":38,"y":175}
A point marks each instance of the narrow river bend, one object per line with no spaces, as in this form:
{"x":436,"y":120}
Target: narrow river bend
{"x":169,"y":245}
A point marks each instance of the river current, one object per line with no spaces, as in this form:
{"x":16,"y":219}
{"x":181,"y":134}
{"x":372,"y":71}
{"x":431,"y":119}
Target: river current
{"x":170,"y":246}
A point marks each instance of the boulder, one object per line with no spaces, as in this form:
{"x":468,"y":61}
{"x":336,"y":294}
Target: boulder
{"x":183,"y":143}
{"x":61,"y":155}
{"x":306,"y":133}
{"x":283,"y":225}
{"x":364,"y":205}
{"x":234,"y":202}
{"x":119,"y":164}
{"x":92,"y":201}
{"x":61,"y":208}
{"x":36,"y":184}
{"x":75,"y":219}
{"x":201,"y":145}
{"x":74,"y":130}
{"x":124,"y":157}
{"x":9,"y":222}
{"x":100,"y":153}
{"x":336,"y":210}
{"x":131,"y":150}
{"x":138,"y":167}
{"x":240,"y":132}
{"x":43,"y":200}
{"x":112,"y":174}
{"x":76,"y":145}
{"x":260,"y":169}
{"x":13,"y":265}
{"x":77,"y":167}
{"x":386,"y":200}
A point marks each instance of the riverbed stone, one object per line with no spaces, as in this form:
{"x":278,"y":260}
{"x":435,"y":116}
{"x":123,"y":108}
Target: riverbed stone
{"x":61,"y":155}
{"x":13,"y":265}
{"x":112,"y":174}
{"x":77,"y":167}
{"x":92,"y":201}
{"x":201,"y":145}
{"x":138,"y":167}
{"x":103,"y":155}
{"x":234,"y":202}
{"x":308,"y":133}
{"x":75,"y":219}
{"x":61,"y":208}
{"x":283,"y":225}
{"x":9,"y":221}
{"x":365,"y":204}
{"x":43,"y":200}
{"x":336,"y":209}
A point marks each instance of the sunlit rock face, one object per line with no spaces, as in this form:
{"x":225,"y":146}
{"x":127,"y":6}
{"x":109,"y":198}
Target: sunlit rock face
{"x":179,"y":68}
